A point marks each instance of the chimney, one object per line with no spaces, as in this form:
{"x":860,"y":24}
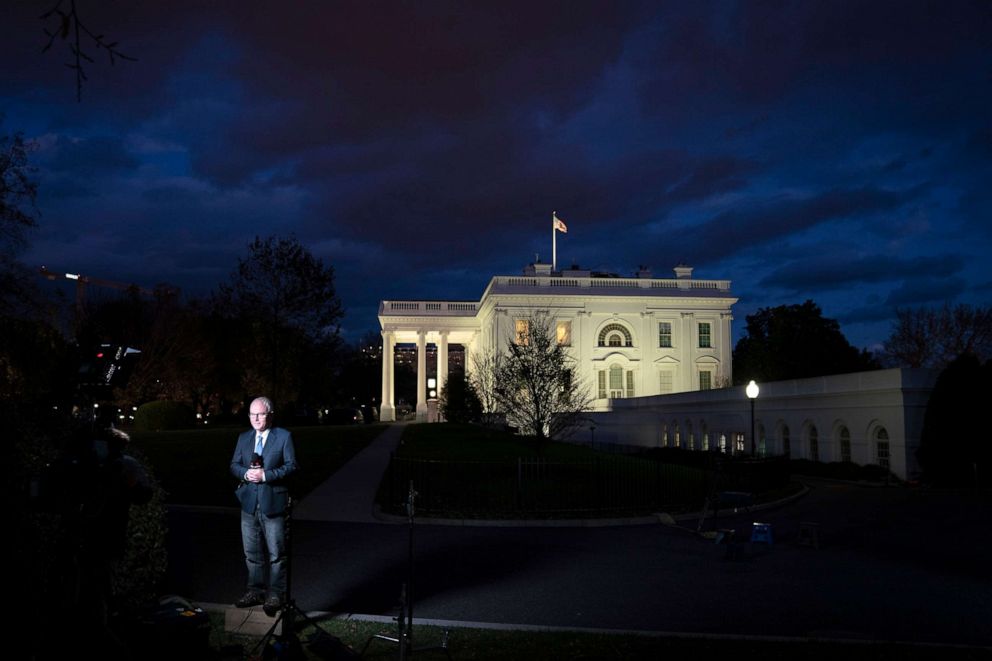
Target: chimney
{"x":683,"y":272}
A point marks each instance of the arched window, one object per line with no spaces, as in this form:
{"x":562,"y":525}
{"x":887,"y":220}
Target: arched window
{"x":664,"y":435}
{"x":814,"y":444}
{"x":706,"y":437}
{"x":882,"y":447}
{"x":786,"y":441}
{"x":690,"y":436}
{"x":845,"y":444}
{"x":615,"y":335}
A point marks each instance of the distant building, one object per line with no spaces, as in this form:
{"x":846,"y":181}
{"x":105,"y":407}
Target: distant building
{"x":862,"y":417}
{"x":630,"y":337}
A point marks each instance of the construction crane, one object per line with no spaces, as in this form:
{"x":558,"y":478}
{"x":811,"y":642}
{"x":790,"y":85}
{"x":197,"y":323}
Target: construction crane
{"x":83,"y":281}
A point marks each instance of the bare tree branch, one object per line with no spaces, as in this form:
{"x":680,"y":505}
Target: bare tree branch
{"x":67,"y":22}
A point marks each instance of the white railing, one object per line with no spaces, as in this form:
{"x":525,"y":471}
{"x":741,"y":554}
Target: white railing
{"x":430,"y":308}
{"x":609,"y":283}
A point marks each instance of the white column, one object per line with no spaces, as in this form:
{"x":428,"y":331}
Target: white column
{"x":470,"y":350}
{"x":442,"y":362}
{"x":726,"y":355}
{"x":421,"y":376}
{"x":387,"y":408}
{"x":688,"y":339}
{"x":649,"y":341}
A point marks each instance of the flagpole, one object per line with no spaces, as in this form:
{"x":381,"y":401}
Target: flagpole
{"x":554,"y":244}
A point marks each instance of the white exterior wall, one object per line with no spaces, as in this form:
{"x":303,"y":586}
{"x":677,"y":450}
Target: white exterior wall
{"x":864,"y":402}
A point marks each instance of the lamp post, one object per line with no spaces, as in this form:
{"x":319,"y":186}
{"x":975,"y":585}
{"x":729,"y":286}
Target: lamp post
{"x":752,"y":394}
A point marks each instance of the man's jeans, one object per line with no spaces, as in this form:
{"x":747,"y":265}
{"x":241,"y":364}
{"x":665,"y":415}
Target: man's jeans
{"x":258,"y":531}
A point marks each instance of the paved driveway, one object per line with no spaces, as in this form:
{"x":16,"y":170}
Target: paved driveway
{"x":894,"y":564}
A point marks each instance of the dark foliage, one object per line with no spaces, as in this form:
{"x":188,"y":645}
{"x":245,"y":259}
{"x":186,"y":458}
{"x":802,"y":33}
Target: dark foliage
{"x":795,"y":342}
{"x":953,"y":450}
{"x":283,"y":301}
{"x":459,"y":401}
{"x":161,"y":416}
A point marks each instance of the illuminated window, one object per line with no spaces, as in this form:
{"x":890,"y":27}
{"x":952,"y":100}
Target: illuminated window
{"x":664,"y":436}
{"x":665,"y":334}
{"x":563,"y":331}
{"x":704,"y":335}
{"x":521,"y":332}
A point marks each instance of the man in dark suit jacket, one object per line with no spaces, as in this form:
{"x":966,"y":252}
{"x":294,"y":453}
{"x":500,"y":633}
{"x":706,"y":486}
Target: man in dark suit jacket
{"x":263,"y":459}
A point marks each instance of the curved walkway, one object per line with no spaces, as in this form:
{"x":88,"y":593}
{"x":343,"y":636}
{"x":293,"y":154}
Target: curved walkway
{"x":349,"y":494}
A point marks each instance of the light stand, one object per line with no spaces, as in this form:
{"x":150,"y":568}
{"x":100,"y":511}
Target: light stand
{"x":289,"y":611}
{"x":404,"y":622}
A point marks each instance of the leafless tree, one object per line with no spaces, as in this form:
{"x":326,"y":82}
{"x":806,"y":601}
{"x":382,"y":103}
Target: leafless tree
{"x":483,"y":377}
{"x":934,"y":337}
{"x":537,"y":385}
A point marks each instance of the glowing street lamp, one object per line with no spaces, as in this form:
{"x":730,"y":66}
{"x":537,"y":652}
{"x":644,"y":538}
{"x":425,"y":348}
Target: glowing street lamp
{"x":752,"y":394}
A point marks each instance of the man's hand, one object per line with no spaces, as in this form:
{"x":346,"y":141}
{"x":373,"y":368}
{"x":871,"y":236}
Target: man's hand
{"x":255,"y":475}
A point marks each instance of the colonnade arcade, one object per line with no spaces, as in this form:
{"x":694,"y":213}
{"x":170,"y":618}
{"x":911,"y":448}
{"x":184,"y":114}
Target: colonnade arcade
{"x":442,"y":338}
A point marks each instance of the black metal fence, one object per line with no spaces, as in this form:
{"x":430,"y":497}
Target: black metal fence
{"x":610,"y":484}
{"x":542,"y":487}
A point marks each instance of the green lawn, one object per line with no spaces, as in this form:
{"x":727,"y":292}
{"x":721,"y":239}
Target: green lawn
{"x":474,"y":472}
{"x":493,"y":645}
{"x":194,"y":465}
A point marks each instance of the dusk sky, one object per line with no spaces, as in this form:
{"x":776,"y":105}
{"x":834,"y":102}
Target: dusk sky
{"x":838,"y":151}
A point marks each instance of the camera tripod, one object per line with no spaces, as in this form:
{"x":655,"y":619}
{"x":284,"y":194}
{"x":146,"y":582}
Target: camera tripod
{"x":404,"y":621}
{"x":289,"y":612}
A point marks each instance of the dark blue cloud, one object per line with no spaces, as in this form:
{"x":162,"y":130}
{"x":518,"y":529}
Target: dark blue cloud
{"x":836,"y":271}
{"x":839,"y":148}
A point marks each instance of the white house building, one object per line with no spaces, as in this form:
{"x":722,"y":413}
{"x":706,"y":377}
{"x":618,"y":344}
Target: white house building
{"x":630,"y":337}
{"x":656,"y":354}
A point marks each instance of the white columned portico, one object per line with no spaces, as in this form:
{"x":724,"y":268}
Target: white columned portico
{"x":421,"y":376}
{"x":387,"y":406}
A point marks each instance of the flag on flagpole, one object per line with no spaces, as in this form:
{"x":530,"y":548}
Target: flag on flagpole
{"x":559,"y":224}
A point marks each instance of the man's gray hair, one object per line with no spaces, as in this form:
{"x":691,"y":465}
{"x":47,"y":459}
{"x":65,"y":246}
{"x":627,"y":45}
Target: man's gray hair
{"x":266,"y":401}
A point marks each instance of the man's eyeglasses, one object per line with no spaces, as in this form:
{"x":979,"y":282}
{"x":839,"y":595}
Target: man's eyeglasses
{"x":259,"y":415}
